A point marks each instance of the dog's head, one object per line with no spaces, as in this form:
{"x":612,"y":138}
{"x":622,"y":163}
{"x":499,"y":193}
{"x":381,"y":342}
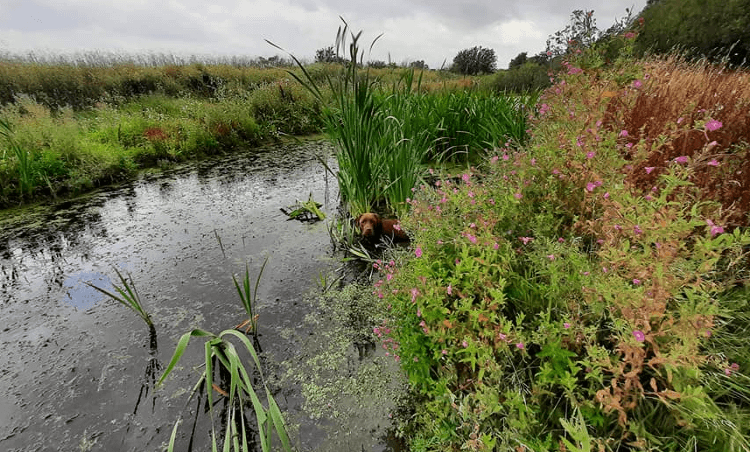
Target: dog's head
{"x":368,"y":224}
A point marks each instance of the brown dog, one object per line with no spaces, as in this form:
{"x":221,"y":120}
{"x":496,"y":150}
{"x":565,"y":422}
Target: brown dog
{"x":374,"y":227}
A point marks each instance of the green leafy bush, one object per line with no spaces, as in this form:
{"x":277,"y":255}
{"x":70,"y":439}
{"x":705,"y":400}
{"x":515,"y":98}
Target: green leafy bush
{"x":554,"y":301}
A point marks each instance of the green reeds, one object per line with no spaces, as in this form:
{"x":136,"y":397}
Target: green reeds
{"x":127,"y":296}
{"x":385,"y":139}
{"x":25,"y":176}
{"x":249,"y":295}
{"x":223,"y":357}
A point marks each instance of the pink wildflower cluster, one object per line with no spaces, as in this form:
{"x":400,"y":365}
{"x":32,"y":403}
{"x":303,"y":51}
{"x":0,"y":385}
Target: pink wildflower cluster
{"x":390,"y":345}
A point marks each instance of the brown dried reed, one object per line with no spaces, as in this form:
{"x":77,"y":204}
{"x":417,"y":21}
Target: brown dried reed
{"x":668,"y":116}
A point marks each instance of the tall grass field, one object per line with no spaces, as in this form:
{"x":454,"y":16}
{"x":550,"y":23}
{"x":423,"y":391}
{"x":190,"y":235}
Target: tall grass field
{"x":70,"y":125}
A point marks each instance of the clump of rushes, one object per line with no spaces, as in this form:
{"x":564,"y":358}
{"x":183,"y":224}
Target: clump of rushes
{"x":249,"y":295}
{"x":363,"y":136}
{"x":236,"y":386}
{"x":551,"y":298}
{"x":25,"y":178}
{"x":127,"y":296}
{"x":385,"y":138}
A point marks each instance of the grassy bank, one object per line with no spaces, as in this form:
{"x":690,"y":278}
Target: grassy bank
{"x":73,"y":127}
{"x":589,"y":291}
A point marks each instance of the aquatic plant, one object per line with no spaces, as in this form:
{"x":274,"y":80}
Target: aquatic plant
{"x":236,"y":386}
{"x":127,"y":296}
{"x":305,"y":211}
{"x":249,"y":295}
{"x":25,"y":177}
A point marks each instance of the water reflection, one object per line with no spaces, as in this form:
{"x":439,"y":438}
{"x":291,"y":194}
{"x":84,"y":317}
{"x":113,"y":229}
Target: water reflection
{"x":80,"y":367}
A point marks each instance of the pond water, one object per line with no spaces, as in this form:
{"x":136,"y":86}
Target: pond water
{"x":79,"y":368}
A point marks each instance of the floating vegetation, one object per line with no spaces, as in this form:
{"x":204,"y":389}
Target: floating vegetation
{"x":308,"y":211}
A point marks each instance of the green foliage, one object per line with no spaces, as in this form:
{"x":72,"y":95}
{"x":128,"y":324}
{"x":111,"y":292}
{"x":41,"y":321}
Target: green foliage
{"x":717,"y":29}
{"x":581,"y":33}
{"x":239,"y":392}
{"x":528,"y":77}
{"x":476,"y":60}
{"x":547,"y":303}
{"x":25,"y":180}
{"x":127,"y":296}
{"x":248,"y":296}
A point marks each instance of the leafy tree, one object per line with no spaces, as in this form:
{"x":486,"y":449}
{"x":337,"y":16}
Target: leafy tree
{"x":419,"y":64}
{"x":519,"y":60}
{"x":700,"y":28}
{"x":474,"y":61}
{"x":328,"y":55}
{"x":377,"y":64}
{"x":579,"y":34}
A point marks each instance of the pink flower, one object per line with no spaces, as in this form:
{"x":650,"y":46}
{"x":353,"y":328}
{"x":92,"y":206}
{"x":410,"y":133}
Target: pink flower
{"x":590,"y":186}
{"x":590,"y":154}
{"x":713,"y":162}
{"x":606,"y":195}
{"x":566,"y":325}
{"x":639,"y":336}
{"x":418,"y":252}
{"x":444,"y":352}
{"x":526,"y":240}
{"x":649,"y":169}
{"x":518,"y":196}
{"x":681,"y":159}
{"x":714,"y":228}
{"x":506,"y":157}
{"x":623,"y":133}
{"x":551,"y":257}
{"x":414,"y":293}
{"x":713,"y":124}
{"x":466,"y":178}
{"x":449,"y":289}
{"x":636,"y":281}
{"x":496,"y":246}
{"x":465,"y":344}
{"x":637,"y":84}
{"x":520,"y":345}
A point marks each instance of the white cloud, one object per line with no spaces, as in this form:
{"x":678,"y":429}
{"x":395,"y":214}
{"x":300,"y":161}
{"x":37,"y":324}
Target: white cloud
{"x":430,"y":30}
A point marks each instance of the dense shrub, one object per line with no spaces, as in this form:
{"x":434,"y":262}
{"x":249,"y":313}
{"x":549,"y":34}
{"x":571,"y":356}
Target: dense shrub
{"x":549,"y":302}
{"x":527,"y":77}
{"x":716,"y":29}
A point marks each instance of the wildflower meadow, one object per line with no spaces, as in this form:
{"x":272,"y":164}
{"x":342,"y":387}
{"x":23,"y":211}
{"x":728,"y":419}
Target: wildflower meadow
{"x":586,"y":291}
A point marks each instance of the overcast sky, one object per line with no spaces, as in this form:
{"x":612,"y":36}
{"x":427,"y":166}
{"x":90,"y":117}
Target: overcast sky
{"x":429,"y":30}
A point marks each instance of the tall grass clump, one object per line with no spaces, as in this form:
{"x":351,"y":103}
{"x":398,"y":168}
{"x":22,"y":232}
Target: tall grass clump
{"x":25,"y":179}
{"x":553,"y":301}
{"x":373,"y":156}
{"x":385,"y":138}
{"x":225,"y":371}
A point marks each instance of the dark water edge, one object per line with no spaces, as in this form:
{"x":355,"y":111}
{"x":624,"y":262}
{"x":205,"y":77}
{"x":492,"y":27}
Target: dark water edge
{"x":80,"y":369}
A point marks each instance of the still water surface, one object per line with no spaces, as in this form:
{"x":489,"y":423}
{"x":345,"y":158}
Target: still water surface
{"x":79,"y":369}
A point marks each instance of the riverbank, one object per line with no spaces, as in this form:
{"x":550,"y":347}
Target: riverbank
{"x":125,"y":118}
{"x":588,"y":291}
